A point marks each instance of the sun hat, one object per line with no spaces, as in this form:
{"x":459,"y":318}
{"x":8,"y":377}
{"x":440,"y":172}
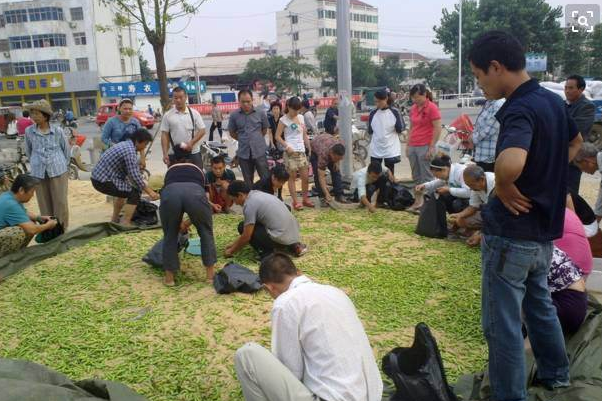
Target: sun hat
{"x":41,"y":105}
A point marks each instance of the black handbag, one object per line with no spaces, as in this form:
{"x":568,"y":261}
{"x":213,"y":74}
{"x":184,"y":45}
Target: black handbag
{"x":418,"y":371}
{"x":234,"y":277}
{"x":145,"y":214}
{"x":399,"y":197}
{"x":432,"y":222}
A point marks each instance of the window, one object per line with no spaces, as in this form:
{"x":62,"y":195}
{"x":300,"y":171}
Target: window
{"x":4,"y":46}
{"x":20,"y":42}
{"x":27,"y":67}
{"x":82,"y":64}
{"x":321,"y":32}
{"x":49,"y":40}
{"x":46,"y":14}
{"x":2,"y":21}
{"x":331,"y":14}
{"x":79,"y":38}
{"x":53,"y":66}
{"x":296,"y":36}
{"x":15,"y":16}
{"x":329,"y":32}
{"x":294,"y":19}
{"x":77,"y":14}
{"x":320,"y":13}
{"x":6,"y":69}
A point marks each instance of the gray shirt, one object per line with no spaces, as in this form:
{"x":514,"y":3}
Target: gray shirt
{"x":251,"y":144}
{"x":268,"y":210}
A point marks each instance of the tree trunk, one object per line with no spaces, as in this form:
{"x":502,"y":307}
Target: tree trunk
{"x":158,"y":49}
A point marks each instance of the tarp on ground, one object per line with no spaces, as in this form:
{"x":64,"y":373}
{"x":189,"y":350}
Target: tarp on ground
{"x":585,"y":356}
{"x":17,"y":261}
{"x":27,"y":381}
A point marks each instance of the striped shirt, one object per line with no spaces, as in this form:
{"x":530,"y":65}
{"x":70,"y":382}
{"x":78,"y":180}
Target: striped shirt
{"x":49,"y":153}
{"x":119,"y":165}
{"x":486,"y":131}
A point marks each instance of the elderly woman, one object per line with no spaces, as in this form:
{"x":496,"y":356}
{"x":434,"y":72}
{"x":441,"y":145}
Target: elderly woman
{"x":184,"y":192}
{"x":49,"y":154}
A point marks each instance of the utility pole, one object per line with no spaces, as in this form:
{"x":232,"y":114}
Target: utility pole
{"x":460,"y":54}
{"x":198,"y":83}
{"x":344,"y":84}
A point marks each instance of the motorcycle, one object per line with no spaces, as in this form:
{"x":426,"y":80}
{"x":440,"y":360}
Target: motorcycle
{"x":76,"y":164}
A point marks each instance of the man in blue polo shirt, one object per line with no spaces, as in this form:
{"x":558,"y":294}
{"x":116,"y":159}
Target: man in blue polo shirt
{"x":537,"y":140}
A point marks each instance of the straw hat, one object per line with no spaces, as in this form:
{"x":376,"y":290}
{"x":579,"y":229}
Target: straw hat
{"x":40,"y":105}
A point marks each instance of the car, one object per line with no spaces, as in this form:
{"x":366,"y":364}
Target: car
{"x":109,"y":110}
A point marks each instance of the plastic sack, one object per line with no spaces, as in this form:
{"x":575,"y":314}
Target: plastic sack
{"x":154,"y":257}
{"x":432,"y":222}
{"x":234,"y":277}
{"x":418,"y":371}
{"x":145,"y":214}
{"x":399,"y":197}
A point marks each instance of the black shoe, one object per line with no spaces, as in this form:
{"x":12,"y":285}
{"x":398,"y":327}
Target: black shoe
{"x":342,"y":200}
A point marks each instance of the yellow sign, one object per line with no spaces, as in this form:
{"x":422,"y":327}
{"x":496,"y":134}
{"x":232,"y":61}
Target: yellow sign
{"x":31,"y":84}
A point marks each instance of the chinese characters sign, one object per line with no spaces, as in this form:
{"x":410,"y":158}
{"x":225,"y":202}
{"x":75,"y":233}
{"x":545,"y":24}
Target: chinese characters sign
{"x":537,"y":62}
{"x":31,"y":85}
{"x":151,"y":88}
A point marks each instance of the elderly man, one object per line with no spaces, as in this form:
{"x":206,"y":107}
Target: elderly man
{"x":17,"y":226}
{"x":249,"y":125}
{"x":320,"y":350}
{"x":589,"y":160}
{"x":583,"y":112}
{"x":117,"y":174}
{"x":481,"y":184}
{"x":326,"y":153}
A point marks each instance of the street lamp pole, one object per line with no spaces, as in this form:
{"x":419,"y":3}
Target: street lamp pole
{"x":344,"y":83}
{"x":460,"y":52}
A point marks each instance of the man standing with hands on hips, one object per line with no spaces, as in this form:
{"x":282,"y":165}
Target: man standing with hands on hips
{"x":537,"y":139}
{"x":182,"y":126}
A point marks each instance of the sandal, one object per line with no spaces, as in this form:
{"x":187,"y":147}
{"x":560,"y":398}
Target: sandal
{"x":297,"y":206}
{"x":308,"y":203}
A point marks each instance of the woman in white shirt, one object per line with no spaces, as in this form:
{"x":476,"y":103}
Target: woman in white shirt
{"x":292,"y":135}
{"x":449,"y":185}
{"x":385,"y":124}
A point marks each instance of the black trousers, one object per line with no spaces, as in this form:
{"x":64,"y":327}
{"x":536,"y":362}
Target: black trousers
{"x":389,"y":162}
{"x":378,"y":185}
{"x":214,"y":125}
{"x":453,"y":204}
{"x":248,"y":167}
{"x":574,"y":178}
{"x":488,"y":167}
{"x":108,"y":188}
{"x":260,"y":240}
{"x":335,"y":174}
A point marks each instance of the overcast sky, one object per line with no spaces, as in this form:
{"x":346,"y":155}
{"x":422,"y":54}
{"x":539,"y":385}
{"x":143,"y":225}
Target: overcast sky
{"x":225,"y":25}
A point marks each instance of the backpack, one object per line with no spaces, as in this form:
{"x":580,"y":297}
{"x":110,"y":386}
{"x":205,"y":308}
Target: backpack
{"x":432,"y":222}
{"x":145,"y":214}
{"x":398,"y":197}
{"x":234,"y":277}
{"x":418,"y":371}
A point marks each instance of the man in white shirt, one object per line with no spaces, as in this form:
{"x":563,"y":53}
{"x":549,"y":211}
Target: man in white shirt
{"x":320,"y":350}
{"x":182,"y":126}
{"x":368,"y":182}
{"x":481,"y":184}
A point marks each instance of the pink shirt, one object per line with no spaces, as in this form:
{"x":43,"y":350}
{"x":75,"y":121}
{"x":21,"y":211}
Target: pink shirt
{"x":574,"y":242}
{"x":23,"y":123}
{"x":422,"y":123}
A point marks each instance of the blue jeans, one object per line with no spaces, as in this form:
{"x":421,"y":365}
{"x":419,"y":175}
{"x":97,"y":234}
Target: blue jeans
{"x":514,"y":280}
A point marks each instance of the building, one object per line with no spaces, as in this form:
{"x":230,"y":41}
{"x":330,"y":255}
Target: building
{"x":52,"y":49}
{"x":408,"y":59}
{"x":305,"y":25}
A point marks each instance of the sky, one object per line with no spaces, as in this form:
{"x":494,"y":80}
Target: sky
{"x":225,"y":25}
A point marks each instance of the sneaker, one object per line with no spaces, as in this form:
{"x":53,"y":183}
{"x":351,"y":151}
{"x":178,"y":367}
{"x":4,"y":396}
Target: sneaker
{"x":323,"y":203}
{"x":299,"y":249}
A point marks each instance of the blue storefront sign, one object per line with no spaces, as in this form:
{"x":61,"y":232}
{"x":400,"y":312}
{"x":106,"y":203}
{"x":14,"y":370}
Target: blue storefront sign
{"x":133,"y":89}
{"x":537,"y":62}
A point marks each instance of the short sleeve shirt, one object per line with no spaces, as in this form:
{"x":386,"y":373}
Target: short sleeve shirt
{"x":480,"y":198}
{"x":536,"y":120}
{"x":321,"y":146}
{"x":422,"y":130}
{"x":12,"y":212}
{"x":280,"y":224}
{"x":249,"y":128}
{"x":115,"y":130}
{"x":360,"y":180}
{"x":179,"y":126}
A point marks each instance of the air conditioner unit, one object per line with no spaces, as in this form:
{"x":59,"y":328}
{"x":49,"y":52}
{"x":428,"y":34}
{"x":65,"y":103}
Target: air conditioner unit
{"x":72,"y":25}
{"x":7,"y":54}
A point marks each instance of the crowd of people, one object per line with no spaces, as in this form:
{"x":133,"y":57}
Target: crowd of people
{"x":519,"y":201}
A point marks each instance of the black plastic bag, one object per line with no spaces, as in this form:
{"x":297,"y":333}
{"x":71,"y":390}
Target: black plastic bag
{"x":399,"y":197}
{"x":154,"y":257}
{"x":418,"y":371}
{"x":145,"y":214}
{"x":234,"y":277}
{"x":433,"y":219}
{"x":51,"y":234}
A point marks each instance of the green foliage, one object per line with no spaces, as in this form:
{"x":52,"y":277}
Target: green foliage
{"x":145,"y":72}
{"x":286,"y":73}
{"x":391,"y":73}
{"x":98,"y":311}
{"x":363,"y":70}
{"x":534,"y":22}
{"x":439,"y":76}
{"x":595,"y":45}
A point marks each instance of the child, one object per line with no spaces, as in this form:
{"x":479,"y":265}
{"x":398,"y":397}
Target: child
{"x":218,"y":180}
{"x":292,"y":135}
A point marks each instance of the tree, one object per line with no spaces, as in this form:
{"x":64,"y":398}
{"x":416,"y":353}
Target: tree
{"x":363,"y":70}
{"x":145,"y":72}
{"x":390,"y":73}
{"x":285,"y":73}
{"x":152,"y":18}
{"x":595,"y":45}
{"x":574,"y":55}
{"x":534,"y":22}
{"x":438,"y":75}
